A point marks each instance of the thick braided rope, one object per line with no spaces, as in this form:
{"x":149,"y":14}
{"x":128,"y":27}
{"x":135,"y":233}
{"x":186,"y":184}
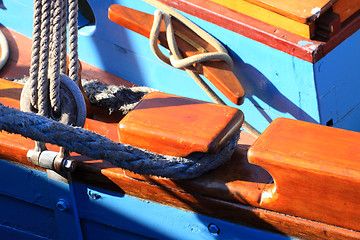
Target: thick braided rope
{"x":73,"y":39}
{"x":43,"y":83}
{"x":35,"y":54}
{"x":54,"y":73}
{"x":63,"y":45}
{"x":98,"y":147}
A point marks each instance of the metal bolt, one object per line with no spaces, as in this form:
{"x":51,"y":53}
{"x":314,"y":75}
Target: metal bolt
{"x":94,"y":195}
{"x":69,"y":165}
{"x":214,"y":229}
{"x":62,"y":205}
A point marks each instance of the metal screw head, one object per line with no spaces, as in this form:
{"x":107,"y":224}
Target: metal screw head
{"x":62,"y":205}
{"x":213,"y":228}
{"x":94,"y":195}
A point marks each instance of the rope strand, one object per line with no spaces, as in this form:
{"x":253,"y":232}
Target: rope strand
{"x":98,"y":147}
{"x":73,"y":35}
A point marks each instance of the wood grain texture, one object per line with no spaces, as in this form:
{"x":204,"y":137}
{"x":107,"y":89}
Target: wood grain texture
{"x":306,"y":30}
{"x":231,"y":192}
{"x":315,"y":168}
{"x":217,"y":72}
{"x":263,"y":32}
{"x":346,"y":8}
{"x":178,"y":126}
{"x":300,"y":10}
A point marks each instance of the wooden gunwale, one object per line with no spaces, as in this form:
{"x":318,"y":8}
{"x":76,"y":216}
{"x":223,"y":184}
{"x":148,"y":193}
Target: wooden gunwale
{"x":265,"y":33}
{"x":212,"y":194}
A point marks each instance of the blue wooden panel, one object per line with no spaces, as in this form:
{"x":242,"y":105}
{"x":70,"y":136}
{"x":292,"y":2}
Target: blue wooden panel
{"x":25,"y":204}
{"x":145,"y":218}
{"x":337,"y":79}
{"x":9,"y":233}
{"x":92,"y":231}
{"x":102,"y":214}
{"x":20,"y":218}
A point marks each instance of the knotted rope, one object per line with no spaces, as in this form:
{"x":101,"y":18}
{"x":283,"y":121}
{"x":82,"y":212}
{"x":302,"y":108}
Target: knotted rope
{"x":96,"y":146}
{"x":112,"y":97}
{"x":176,"y":59}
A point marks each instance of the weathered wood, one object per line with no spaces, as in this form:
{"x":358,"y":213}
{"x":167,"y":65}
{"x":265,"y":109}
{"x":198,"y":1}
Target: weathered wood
{"x":217,"y":72}
{"x":316,"y":170}
{"x":178,"y":126}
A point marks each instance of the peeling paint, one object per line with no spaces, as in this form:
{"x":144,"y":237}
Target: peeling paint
{"x":316,"y":11}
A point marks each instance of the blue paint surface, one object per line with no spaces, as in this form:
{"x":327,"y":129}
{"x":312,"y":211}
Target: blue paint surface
{"x":28,"y":210}
{"x":276,"y":84}
{"x":304,"y":43}
{"x":337,"y":82}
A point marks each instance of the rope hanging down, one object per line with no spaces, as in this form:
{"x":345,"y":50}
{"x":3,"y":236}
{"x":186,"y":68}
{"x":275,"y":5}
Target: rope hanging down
{"x":98,"y":147}
{"x":49,"y":48}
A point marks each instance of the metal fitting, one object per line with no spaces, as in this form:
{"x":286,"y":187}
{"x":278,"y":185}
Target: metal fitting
{"x":94,"y":195}
{"x":33,"y":156}
{"x":69,"y":165}
{"x":62,"y":205}
{"x":51,"y":160}
{"x":214,"y":229}
{"x":46,"y":159}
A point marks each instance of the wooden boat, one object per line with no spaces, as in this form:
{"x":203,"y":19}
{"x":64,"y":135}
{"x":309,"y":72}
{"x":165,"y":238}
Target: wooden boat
{"x":298,"y":179}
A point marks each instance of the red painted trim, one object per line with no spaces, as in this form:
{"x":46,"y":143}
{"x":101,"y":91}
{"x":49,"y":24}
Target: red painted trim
{"x":262,"y":32}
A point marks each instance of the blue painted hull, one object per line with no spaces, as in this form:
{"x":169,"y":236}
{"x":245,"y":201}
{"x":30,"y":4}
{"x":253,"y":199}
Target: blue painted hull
{"x":30,"y":209}
{"x":277,"y":85}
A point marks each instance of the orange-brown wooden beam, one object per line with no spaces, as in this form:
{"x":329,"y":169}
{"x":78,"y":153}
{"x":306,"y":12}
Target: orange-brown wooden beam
{"x":217,"y":72}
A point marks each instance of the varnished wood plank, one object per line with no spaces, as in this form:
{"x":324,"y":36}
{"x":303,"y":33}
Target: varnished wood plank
{"x":231,"y":192}
{"x":315,"y":168}
{"x":306,"y":30}
{"x":263,"y":32}
{"x":301,"y":10}
{"x":346,"y":8}
{"x":178,"y":126}
{"x":217,"y":72}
